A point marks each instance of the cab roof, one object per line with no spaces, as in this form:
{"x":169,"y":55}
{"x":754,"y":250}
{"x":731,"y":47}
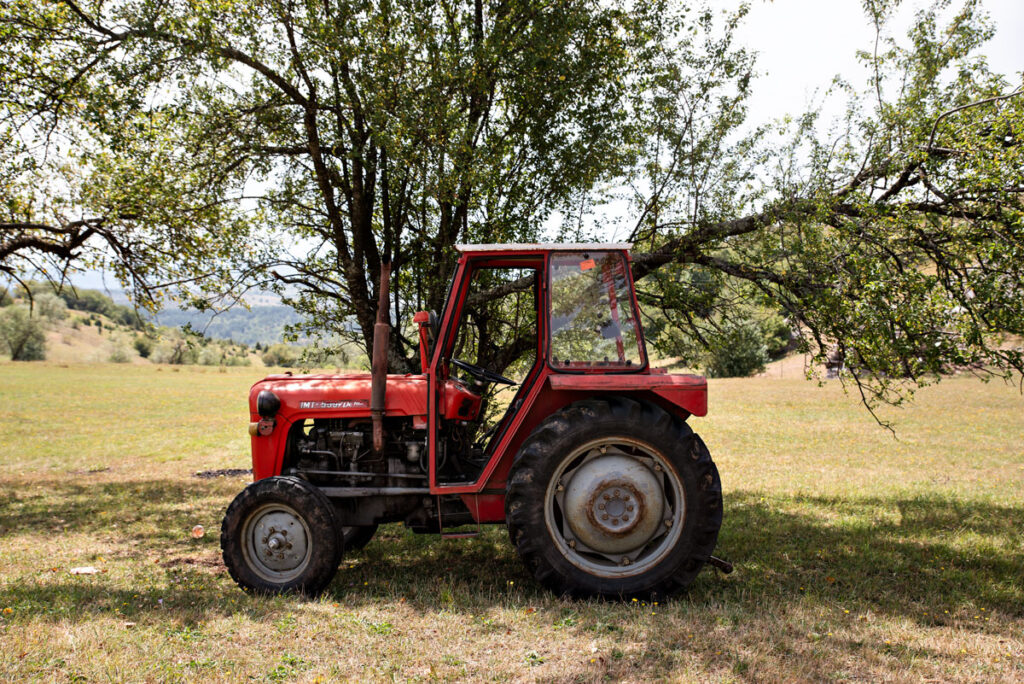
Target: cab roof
{"x":548,"y":247}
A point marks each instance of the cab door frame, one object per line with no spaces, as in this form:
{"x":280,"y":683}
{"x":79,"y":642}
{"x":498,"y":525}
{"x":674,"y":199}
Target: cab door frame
{"x":437,"y":372}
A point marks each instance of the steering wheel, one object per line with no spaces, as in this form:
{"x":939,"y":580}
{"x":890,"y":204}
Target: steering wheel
{"x":481,"y":373}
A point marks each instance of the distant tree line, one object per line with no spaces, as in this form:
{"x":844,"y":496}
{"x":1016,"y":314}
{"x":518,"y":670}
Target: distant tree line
{"x":257,"y":324}
{"x":27,"y":312}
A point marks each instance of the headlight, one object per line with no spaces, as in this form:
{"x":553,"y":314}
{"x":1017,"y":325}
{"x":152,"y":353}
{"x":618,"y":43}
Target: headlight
{"x":267,"y":404}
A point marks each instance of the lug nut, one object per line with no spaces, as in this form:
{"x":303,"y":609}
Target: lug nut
{"x":625,"y":560}
{"x":559,"y":488}
{"x":629,"y":507}
{"x":668,"y":522}
{"x":604,"y":517}
{"x":625,"y":518}
{"x":626,"y":497}
{"x":607,"y":497}
{"x":572,"y":543}
{"x":615,"y":521}
{"x":616,"y":493}
{"x":657,"y":467}
{"x":600,"y":506}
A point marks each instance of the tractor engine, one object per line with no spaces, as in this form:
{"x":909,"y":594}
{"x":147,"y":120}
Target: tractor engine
{"x":339,"y":452}
{"x":336,"y":454}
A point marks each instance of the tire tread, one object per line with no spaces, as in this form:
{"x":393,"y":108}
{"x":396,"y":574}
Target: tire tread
{"x":307,"y":500}
{"x":537,"y":460}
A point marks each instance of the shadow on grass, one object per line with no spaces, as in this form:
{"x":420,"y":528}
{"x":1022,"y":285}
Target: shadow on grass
{"x":887,"y":555}
{"x":897,"y":556}
{"x":186,"y":599}
{"x":138,"y":536}
{"x":809,"y":565}
{"x":142,"y":509}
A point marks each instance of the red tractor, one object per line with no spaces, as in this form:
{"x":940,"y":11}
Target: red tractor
{"x":604,"y":487}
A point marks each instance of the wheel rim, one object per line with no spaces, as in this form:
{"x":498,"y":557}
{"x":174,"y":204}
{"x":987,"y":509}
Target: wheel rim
{"x":615,"y":507}
{"x":276,"y":543}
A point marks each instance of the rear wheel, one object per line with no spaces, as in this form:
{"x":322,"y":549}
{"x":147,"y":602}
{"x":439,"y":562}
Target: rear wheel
{"x":614,"y":498}
{"x":280,"y":535}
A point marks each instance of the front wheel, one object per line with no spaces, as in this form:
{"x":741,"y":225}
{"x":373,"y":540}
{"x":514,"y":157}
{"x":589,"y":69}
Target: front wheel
{"x":614,"y":498}
{"x":280,"y":535}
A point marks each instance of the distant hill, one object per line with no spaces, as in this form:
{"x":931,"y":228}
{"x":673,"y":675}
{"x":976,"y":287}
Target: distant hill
{"x":263,"y":324}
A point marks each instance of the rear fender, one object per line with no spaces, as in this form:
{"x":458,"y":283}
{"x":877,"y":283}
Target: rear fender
{"x":688,"y":393}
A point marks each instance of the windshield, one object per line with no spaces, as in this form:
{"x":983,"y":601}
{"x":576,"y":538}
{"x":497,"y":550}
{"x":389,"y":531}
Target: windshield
{"x":592,"y":312}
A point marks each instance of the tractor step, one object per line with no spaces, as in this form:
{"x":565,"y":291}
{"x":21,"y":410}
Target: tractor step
{"x":459,"y":535}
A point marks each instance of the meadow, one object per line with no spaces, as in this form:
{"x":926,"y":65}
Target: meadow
{"x":859,"y":556}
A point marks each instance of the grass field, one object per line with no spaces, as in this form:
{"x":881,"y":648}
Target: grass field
{"x":859,"y":557}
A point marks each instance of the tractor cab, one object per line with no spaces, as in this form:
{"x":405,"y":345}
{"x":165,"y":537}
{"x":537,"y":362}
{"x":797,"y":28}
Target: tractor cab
{"x":569,"y":309}
{"x":535,"y":406}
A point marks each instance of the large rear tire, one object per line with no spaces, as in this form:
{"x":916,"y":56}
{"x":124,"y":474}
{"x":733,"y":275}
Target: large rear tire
{"x":614,"y":498}
{"x":280,"y":535}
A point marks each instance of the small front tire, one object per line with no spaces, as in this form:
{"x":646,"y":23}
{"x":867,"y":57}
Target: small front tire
{"x":280,"y":535}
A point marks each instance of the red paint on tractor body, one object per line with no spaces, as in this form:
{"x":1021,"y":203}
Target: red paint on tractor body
{"x":327,"y":395}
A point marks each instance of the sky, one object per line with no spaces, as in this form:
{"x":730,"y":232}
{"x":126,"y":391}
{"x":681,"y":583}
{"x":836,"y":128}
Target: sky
{"x":803,"y":44}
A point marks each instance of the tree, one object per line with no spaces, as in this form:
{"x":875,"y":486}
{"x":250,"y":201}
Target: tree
{"x":21,"y":334}
{"x":738,"y":351}
{"x":896,"y":235}
{"x":143,"y":345}
{"x":50,"y":307}
{"x":282,"y":355}
{"x":380,"y":132}
{"x":77,"y":194}
{"x":90,"y":211}
{"x":372,"y":132}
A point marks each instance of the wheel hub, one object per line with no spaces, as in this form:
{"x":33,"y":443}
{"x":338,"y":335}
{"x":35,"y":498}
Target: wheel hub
{"x":613,"y":503}
{"x":616,"y":508}
{"x":278,"y":541}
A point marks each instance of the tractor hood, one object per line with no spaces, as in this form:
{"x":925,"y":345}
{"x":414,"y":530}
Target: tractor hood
{"x":348,"y":395}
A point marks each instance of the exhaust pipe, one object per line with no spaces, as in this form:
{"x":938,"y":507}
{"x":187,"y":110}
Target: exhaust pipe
{"x":379,"y":368}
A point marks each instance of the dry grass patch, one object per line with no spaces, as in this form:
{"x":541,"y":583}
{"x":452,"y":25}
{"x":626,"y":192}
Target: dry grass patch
{"x":859,"y":557}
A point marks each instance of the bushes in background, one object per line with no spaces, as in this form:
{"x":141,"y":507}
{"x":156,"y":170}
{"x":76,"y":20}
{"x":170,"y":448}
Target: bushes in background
{"x":144,"y":346}
{"x":742,"y":347}
{"x":282,"y":355}
{"x":21,"y":334}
